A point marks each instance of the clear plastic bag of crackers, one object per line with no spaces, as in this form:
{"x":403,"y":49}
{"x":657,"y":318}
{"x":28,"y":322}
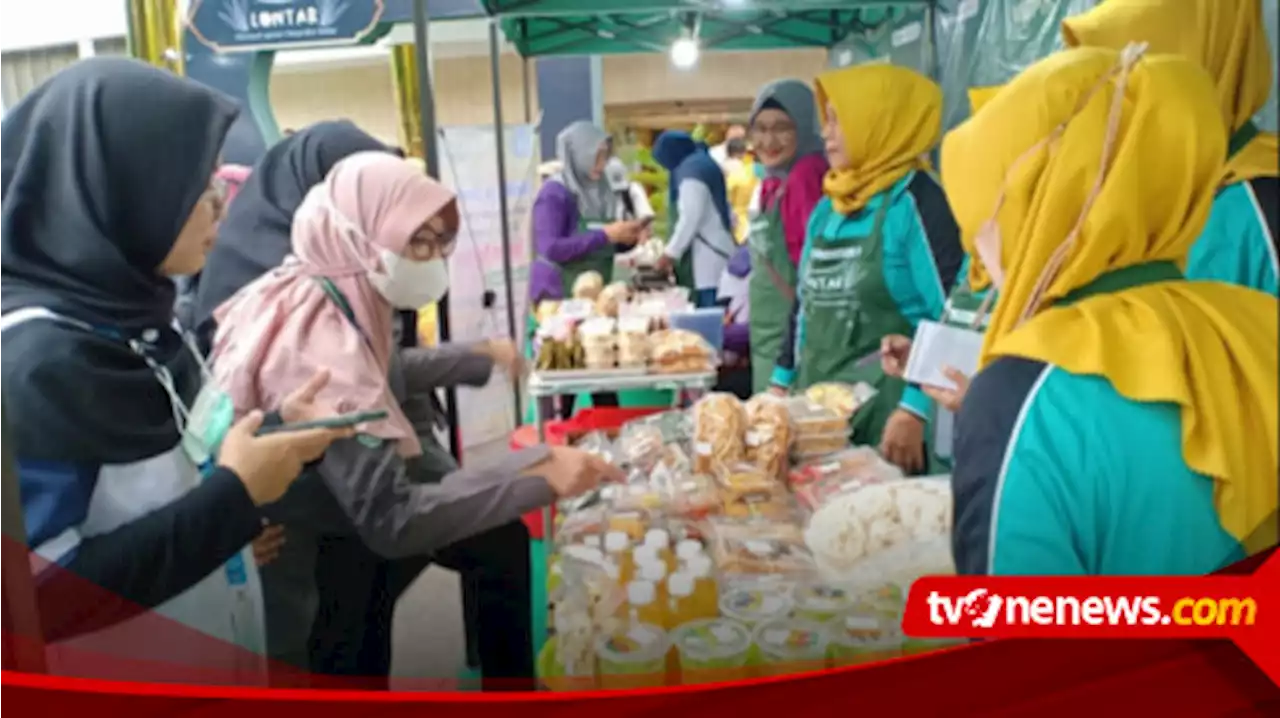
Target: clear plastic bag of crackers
{"x":719,"y":427}
{"x":678,"y":351}
{"x":759,"y":547}
{"x":768,"y":434}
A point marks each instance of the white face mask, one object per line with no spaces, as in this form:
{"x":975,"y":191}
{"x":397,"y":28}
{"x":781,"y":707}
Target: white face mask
{"x":410,"y":284}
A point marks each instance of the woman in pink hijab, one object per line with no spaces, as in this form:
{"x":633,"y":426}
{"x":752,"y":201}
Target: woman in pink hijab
{"x":375,"y":237}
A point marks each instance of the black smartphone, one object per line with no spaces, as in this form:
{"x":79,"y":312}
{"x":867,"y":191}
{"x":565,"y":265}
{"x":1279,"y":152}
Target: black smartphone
{"x":341,"y":421}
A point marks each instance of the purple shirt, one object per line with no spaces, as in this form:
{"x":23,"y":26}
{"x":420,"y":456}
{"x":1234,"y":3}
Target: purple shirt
{"x":557,"y":239}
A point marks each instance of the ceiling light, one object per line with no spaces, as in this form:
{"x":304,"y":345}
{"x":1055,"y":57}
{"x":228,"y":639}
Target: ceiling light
{"x":684,"y":53}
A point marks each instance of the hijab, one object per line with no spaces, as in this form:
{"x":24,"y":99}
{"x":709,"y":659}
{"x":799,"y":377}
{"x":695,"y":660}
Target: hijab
{"x":282,"y":328}
{"x":796,"y":99}
{"x":255,"y":236}
{"x":95,"y":193}
{"x":1226,"y":37}
{"x":577,"y":147}
{"x":685,"y":158}
{"x":1105,"y":168}
{"x":890,"y":118}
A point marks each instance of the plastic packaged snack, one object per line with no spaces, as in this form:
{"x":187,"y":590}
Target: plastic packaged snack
{"x":677,"y":351}
{"x":858,"y":462}
{"x":598,"y":337}
{"x":712,"y":650}
{"x":754,"y":605}
{"x":598,"y":443}
{"x":808,"y":447}
{"x":640,"y":445}
{"x":718,"y":425}
{"x":815,"y":483}
{"x":883,"y":531}
{"x":611,"y":298}
{"x":820,"y":602}
{"x":634,"y":657}
{"x":769,"y":502}
{"x":843,"y":399}
{"x":808,"y":418}
{"x":588,"y":285}
{"x":768,"y":435}
{"x":694,"y":497}
{"x":789,"y":645}
{"x":639,"y":497}
{"x":759,"y":547}
{"x":633,"y":341}
{"x":862,"y":638}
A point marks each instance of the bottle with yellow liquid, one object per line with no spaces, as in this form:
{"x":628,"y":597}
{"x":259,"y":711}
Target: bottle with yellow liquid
{"x":659,"y":541}
{"x":651,"y":569}
{"x":706,"y":592}
{"x":617,"y":546}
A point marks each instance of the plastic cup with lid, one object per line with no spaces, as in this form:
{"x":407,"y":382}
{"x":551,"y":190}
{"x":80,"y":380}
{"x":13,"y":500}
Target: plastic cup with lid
{"x":712,"y":650}
{"x":791,"y":645}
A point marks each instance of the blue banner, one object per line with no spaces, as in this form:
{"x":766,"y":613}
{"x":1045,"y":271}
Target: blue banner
{"x":240,"y":25}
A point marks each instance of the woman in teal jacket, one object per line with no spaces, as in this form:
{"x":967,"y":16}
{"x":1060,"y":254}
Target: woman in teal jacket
{"x":881,"y":251}
{"x":1226,"y":37}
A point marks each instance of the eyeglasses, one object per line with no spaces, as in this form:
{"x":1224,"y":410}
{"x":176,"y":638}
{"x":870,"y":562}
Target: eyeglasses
{"x":781,"y":130}
{"x":430,"y":241}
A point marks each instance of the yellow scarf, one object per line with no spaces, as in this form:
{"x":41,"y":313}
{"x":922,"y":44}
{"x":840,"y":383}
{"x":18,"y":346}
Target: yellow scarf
{"x":1210,"y":348}
{"x":890,"y":118}
{"x":1225,"y":36}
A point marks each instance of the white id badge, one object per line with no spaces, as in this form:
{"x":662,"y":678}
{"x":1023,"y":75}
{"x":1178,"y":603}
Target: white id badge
{"x":937,"y":345}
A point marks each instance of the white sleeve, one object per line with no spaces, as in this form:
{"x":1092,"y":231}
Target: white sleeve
{"x":694,"y":202}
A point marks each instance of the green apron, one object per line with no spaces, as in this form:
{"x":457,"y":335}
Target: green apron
{"x":960,"y":311}
{"x":683,"y":265}
{"x":847,"y":311}
{"x":771,"y":291}
{"x":600,"y":260}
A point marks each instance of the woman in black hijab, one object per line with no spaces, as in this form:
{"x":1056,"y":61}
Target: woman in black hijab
{"x":102,"y":205}
{"x":255,"y":236}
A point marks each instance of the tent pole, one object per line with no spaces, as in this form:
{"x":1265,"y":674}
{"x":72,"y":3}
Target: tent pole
{"x":524,"y":84}
{"x":431,"y":158}
{"x":499,"y":134}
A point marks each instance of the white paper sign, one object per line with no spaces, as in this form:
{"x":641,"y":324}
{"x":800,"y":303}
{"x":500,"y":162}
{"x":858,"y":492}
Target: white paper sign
{"x":937,"y":345}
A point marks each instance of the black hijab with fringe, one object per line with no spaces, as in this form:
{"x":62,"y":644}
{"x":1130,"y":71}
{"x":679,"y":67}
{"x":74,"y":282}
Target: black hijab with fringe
{"x":102,"y":166}
{"x":255,"y":236}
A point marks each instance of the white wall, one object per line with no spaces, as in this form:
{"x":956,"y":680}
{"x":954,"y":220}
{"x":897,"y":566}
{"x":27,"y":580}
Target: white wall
{"x":28,"y":24}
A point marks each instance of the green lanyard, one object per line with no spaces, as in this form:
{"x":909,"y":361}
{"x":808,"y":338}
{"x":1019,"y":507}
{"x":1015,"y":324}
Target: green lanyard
{"x":1240,"y":138}
{"x":336,"y":296}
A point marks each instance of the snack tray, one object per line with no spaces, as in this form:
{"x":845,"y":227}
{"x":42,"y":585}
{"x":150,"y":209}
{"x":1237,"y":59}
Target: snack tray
{"x":552,"y":383}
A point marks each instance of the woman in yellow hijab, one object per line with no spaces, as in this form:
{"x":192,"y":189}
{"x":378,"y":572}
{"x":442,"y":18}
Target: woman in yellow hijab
{"x":881,"y":250}
{"x":1124,"y":420}
{"x":1227,"y":38}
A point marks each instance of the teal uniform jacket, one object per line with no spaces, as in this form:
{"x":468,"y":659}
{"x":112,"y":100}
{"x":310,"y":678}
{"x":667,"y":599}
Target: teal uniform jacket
{"x":1238,"y":244}
{"x":1058,"y":474}
{"x":914,"y":399}
{"x":922,"y":255}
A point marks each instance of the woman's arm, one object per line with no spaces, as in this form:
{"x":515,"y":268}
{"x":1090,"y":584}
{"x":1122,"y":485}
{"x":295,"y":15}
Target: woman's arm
{"x":554,"y":233}
{"x":398,"y":518}
{"x":694,"y":202}
{"x":448,"y":365}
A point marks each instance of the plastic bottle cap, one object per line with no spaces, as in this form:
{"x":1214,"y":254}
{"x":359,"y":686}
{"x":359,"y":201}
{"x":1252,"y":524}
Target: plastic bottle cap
{"x":645,"y":554}
{"x":616,"y":541}
{"x":652,"y":571}
{"x":680,"y":584}
{"x":657,"y":538}
{"x":700,"y":566}
{"x":688,"y":549}
{"x":640,"y":593}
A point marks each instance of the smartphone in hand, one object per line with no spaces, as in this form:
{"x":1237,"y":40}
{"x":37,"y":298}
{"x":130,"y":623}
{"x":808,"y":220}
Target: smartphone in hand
{"x":342,"y":421}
